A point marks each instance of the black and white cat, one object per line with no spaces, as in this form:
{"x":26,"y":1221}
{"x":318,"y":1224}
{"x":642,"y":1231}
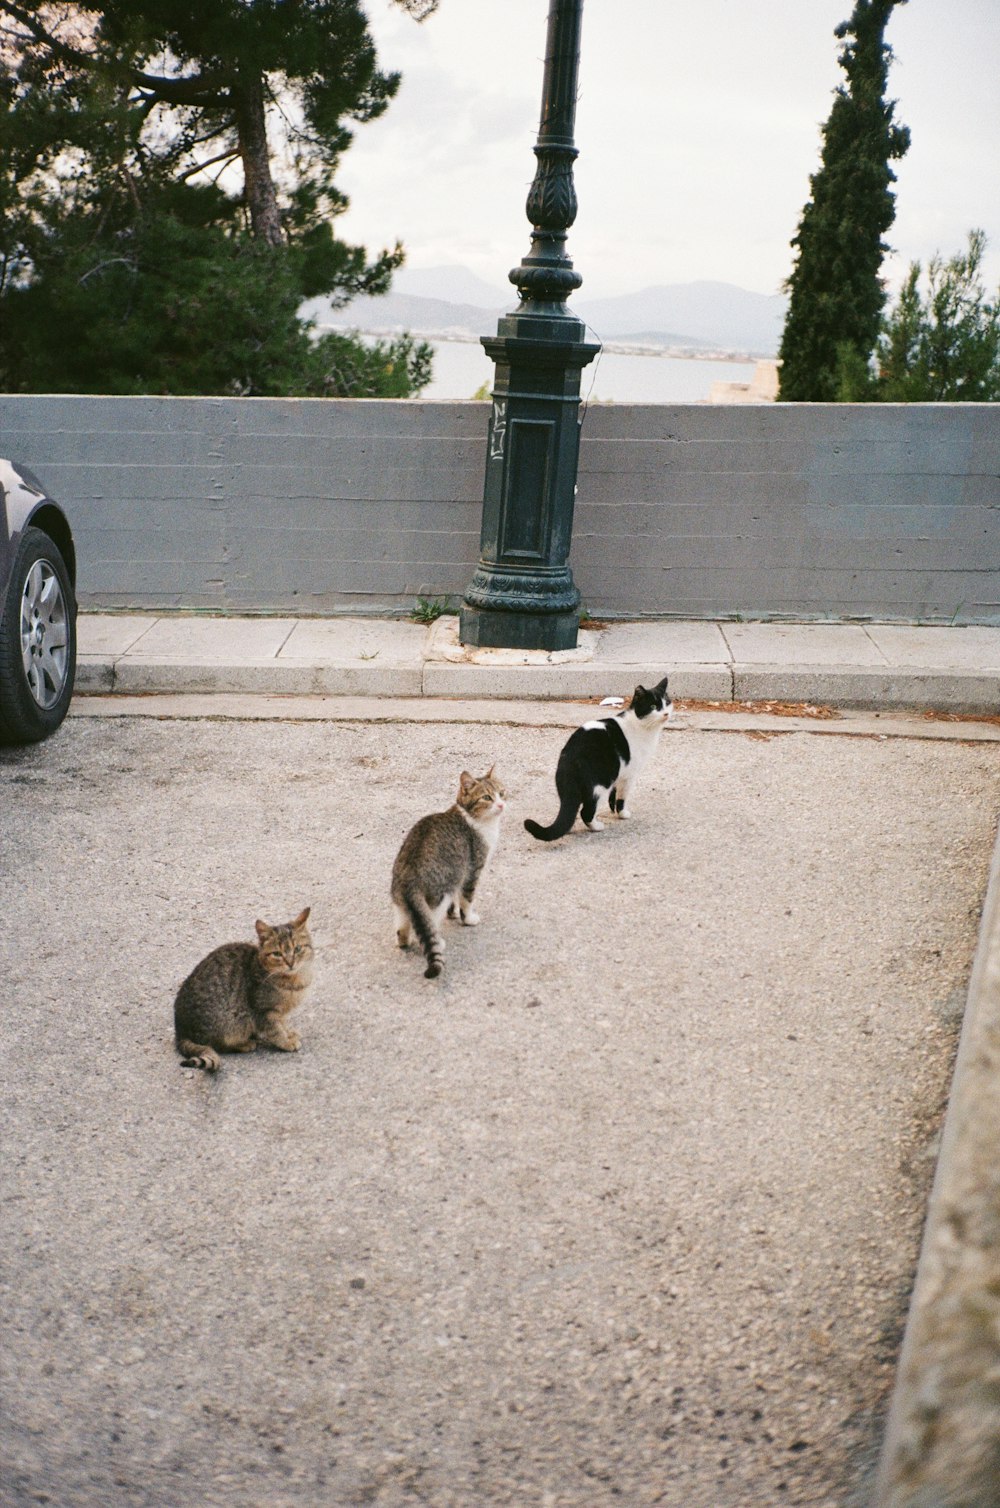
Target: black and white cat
{"x":603,"y":758}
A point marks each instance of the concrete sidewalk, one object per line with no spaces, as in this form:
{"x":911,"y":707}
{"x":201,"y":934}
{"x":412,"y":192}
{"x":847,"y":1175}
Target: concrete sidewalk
{"x":868,"y":665}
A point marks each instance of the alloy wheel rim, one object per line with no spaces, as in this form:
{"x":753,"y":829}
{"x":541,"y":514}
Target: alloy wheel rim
{"x":44,"y":634}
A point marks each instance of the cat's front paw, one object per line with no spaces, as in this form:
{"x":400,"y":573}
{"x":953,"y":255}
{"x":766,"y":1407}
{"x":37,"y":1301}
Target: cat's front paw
{"x":624,"y":811}
{"x":470,"y":918}
{"x":291,"y":1042}
{"x":596,"y":826}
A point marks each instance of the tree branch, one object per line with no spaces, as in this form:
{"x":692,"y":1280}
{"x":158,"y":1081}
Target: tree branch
{"x":111,"y":262}
{"x":200,"y":167}
{"x":418,"y":9}
{"x":33,"y":26}
{"x":195,"y":89}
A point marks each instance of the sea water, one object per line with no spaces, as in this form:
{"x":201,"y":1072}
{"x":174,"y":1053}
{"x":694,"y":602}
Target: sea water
{"x":462,"y":367}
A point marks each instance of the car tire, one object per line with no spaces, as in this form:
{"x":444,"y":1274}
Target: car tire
{"x":37,"y":642}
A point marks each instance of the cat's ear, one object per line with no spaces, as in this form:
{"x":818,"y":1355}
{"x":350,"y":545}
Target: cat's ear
{"x":263,"y":930}
{"x":302,"y":918}
{"x":465,"y":780}
{"x":489,"y":772}
{"x":639,"y":691}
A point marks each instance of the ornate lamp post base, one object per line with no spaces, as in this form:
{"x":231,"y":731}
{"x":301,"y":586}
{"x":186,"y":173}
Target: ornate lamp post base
{"x":522,"y":595}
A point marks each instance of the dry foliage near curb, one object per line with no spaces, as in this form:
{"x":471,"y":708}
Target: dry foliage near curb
{"x":931,"y":716}
{"x":770,"y":708}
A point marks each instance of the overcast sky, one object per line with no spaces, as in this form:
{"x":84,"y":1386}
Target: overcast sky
{"x":698,"y":128}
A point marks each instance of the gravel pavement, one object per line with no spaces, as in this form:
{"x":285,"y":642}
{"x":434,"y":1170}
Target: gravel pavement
{"x":624,"y":1209}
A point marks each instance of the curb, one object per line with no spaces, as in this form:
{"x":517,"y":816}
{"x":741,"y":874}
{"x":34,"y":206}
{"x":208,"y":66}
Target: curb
{"x":875,"y":689}
{"x":974,"y":693}
{"x":942,"y":1443}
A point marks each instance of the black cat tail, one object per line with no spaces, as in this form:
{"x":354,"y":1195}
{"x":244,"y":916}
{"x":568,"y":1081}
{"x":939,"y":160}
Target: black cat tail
{"x":565,"y":818}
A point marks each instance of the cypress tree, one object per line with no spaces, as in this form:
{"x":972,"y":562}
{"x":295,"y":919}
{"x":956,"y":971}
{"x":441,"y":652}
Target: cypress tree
{"x":836,"y":294}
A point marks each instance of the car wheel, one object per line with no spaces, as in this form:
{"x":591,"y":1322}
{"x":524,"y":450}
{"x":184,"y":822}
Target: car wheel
{"x":37,"y":642}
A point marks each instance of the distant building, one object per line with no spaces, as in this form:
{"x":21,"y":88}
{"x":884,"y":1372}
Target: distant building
{"x":763,"y":387}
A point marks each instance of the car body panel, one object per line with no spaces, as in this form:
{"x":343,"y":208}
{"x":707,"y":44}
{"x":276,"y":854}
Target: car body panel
{"x":37,"y":609}
{"x":24,"y":502}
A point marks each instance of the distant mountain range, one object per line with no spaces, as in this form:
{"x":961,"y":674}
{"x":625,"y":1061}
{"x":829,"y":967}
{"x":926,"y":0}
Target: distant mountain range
{"x":453,"y":303}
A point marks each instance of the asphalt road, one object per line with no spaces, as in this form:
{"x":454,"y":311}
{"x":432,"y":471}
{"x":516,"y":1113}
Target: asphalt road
{"x":622,"y":1210}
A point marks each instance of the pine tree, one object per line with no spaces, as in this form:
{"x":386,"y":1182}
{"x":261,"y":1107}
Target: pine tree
{"x":944,"y":348}
{"x":836,"y":294}
{"x":167,"y":169}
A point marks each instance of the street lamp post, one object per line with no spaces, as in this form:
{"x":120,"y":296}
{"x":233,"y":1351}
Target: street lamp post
{"x":522,"y":595}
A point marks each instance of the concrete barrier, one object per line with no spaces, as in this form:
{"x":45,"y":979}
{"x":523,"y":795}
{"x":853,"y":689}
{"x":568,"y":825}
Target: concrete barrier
{"x":942,"y":1446}
{"x":884,"y":512}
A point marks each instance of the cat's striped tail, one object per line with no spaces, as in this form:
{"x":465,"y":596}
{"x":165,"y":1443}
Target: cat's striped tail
{"x":565,"y":818}
{"x":197,"y":1055}
{"x":428,"y":935}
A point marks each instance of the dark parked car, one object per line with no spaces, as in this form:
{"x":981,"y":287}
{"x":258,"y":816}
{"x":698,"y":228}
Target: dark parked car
{"x":37,"y":609}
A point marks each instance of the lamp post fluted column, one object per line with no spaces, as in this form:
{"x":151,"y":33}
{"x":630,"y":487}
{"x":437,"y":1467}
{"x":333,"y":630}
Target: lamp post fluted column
{"x":522,"y":595}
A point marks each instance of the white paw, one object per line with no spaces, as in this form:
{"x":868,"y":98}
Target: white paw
{"x":596,"y":826}
{"x":625,"y":812}
{"x":470,"y":918}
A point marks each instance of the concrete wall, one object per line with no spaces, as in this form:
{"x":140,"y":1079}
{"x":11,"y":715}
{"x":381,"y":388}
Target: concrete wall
{"x":798,"y":511}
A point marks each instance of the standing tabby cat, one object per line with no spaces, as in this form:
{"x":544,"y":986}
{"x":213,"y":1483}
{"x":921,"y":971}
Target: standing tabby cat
{"x":440,"y":864}
{"x":241,"y":993}
{"x":603,"y":758}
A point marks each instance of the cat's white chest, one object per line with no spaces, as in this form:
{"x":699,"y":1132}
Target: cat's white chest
{"x":641,"y":743}
{"x":488,"y":830}
{"x":490,"y":833}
